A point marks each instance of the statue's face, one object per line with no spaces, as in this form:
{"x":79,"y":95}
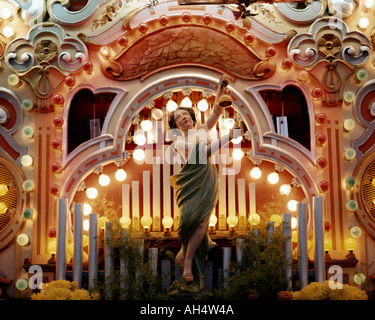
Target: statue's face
{"x":183,"y":120}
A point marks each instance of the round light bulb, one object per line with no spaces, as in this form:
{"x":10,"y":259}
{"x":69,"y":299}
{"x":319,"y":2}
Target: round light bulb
{"x":349,"y":124}
{"x":232,"y":221}
{"x":28,"y":185}
{"x":146,"y":125}
{"x":52,"y":245}
{"x":27,"y":104}
{"x":92,"y":193}
{"x":146,"y":221}
{"x":276,"y":218}
{"x":157,"y":114}
{"x":120,"y":175}
{"x":285,"y":189}
{"x":349,"y":154}
{"x":254,"y":219}
{"x":255,"y":173}
{"x":350,"y":182}
{"x":125,"y":222}
{"x":327,"y":244}
{"x":139,"y":138}
{"x":369,"y":4}
{"x":351,"y":205}
{"x":101,"y":222}
{"x":292,"y":205}
{"x":87,"y":209}
{"x":350,"y":243}
{"x":3,"y":190}
{"x":273,"y":178}
{"x":167,"y":222}
{"x":237,"y":140}
{"x":295,"y":236}
{"x":86,"y":225}
{"x":294,"y":222}
{"x":171,"y":105}
{"x":213,"y":220}
{"x":27,"y":161}
{"x":202,"y":105}
{"x":186,"y":102}
{"x":22,"y":284}
{"x":104,"y":180}
{"x":6,"y":13}
{"x":355,"y":232}
{"x":8,"y":31}
{"x":237,"y":154}
{"x":359,"y":278}
{"x":3,"y":208}
{"x":228,"y":123}
{"x":23,"y":239}
{"x":139,"y":154}
{"x":28,"y":132}
{"x":104,"y":51}
{"x":363,"y":23}
{"x":349,"y":96}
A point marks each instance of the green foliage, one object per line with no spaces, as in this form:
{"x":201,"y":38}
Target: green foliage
{"x":276,"y":205}
{"x":261,"y":270}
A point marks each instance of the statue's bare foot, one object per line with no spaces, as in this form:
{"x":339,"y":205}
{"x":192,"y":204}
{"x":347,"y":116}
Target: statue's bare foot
{"x":188,"y":275}
{"x":180,"y":258}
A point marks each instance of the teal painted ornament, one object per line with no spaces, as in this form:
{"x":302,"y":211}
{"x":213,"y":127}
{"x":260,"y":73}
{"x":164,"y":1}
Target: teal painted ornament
{"x":351,"y":205}
{"x":349,"y":182}
{"x":28,"y":213}
{"x":27,"y":104}
{"x":21,"y":284}
{"x":359,"y":278}
{"x":355,"y":232}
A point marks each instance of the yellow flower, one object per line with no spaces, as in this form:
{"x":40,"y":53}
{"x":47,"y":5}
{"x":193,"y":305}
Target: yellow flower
{"x":95,"y":296}
{"x":80,"y":294}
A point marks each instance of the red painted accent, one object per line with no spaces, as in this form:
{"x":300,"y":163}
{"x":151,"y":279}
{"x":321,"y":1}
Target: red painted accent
{"x":122,"y":41}
{"x":307,"y":181}
{"x":8,"y":149}
{"x":250,"y":119}
{"x":144,"y":97}
{"x":70,"y":184}
{"x":91,"y":162}
{"x":124,"y":122}
{"x":286,"y":159}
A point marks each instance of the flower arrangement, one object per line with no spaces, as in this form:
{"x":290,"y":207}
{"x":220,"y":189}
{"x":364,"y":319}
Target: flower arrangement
{"x":63,"y":290}
{"x":322,"y":291}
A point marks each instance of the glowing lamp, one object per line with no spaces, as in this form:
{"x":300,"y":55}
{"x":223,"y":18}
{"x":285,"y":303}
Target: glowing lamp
{"x":52,"y":244}
{"x":349,"y":154}
{"x":85,"y":240}
{"x":167,"y":222}
{"x":28,"y":132}
{"x":87,"y":209}
{"x":146,"y":222}
{"x":349,"y":125}
{"x":355,"y":232}
{"x":104,"y":180}
{"x":28,"y":185}
{"x":27,"y":161}
{"x":237,"y":140}
{"x":186,"y":102}
{"x":255,"y":173}
{"x":232,"y":221}
{"x":363,"y":23}
{"x":86,"y":225}
{"x":120,"y":175}
{"x":91,"y":193}
{"x":294,"y":222}
{"x":28,"y":213}
{"x":139,"y":139}
{"x":23,"y":240}
{"x":276,"y":218}
{"x":254,"y":219}
{"x":327,"y":244}
{"x":22,"y":284}
{"x":6,"y":13}
{"x":361,"y":74}
{"x":8,"y":32}
{"x":350,"y":182}
{"x":369,"y":4}
{"x":139,"y":155}
{"x":157,"y":114}
{"x":237,"y":154}
{"x":125,"y":222}
{"x":3,"y":208}
{"x":202,"y":105}
{"x":350,"y":244}
{"x":3,"y":190}
{"x":228,"y":123}
{"x":359,"y":278}
{"x":102,"y":221}
{"x":104,"y":51}
{"x":146,"y":125}
{"x":285,"y":189}
{"x":292,"y":205}
{"x":213,"y":221}
{"x":273,"y":178}
{"x":349,"y":96}
{"x":13,"y":79}
{"x":351,"y":205}
{"x":295,"y":236}
{"x":171,"y":105}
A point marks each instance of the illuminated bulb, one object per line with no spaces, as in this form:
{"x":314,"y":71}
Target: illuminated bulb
{"x":52,"y":245}
{"x":139,"y":139}
{"x":327,"y":244}
{"x":237,"y":154}
{"x":104,"y":51}
{"x":3,"y":190}
{"x":86,"y":225}
{"x":203,"y":105}
{"x":294,"y":222}
{"x":171,"y":105}
{"x":254,"y":219}
{"x":237,"y":140}
{"x":361,"y":75}
{"x":349,"y":182}
{"x":349,"y":124}
{"x":213,"y":220}
{"x":146,"y":222}
{"x":102,"y":221}
{"x":350,"y":243}
{"x":27,"y":161}
{"x":349,"y":154}
{"x":22,"y":284}
{"x":186,"y":102}
{"x":232,"y":221}
{"x":167,"y":222}
{"x":13,"y":80}
{"x":23,"y":239}
{"x":92,"y":193}
{"x":276,"y":218}
{"x":355,"y":232}
{"x":349,"y":96}
{"x":157,"y":114}
{"x":292,"y":205}
{"x":85,"y":238}
{"x":363,"y":23}
{"x":125,"y":222}
{"x":6,"y":13}
{"x":28,"y":185}
{"x":28,"y":132}
{"x":359,"y":278}
{"x":3,"y":207}
{"x":369,"y":4}
{"x":351,"y":205}
{"x":8,"y":31}
{"x":120,"y":175}
{"x":27,"y":104}
{"x":273,"y":178}
{"x":87,"y":209}
{"x":104,"y":180}
{"x":146,"y":125}
{"x":139,"y":155}
{"x":255,"y":173}
{"x":285,"y":189}
{"x":228,"y":123}
{"x":295,"y":236}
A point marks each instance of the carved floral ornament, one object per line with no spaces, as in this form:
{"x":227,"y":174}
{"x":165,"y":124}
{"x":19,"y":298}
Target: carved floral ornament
{"x":44,"y":58}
